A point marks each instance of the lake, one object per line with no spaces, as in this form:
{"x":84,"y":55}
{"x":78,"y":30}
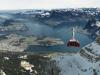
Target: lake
{"x":63,"y":32}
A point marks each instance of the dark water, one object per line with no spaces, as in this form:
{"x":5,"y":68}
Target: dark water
{"x":63,"y":32}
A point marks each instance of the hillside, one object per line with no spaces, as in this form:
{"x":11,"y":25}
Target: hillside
{"x":85,"y":62}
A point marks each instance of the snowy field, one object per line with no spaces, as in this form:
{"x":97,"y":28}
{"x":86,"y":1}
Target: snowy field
{"x":76,"y":65}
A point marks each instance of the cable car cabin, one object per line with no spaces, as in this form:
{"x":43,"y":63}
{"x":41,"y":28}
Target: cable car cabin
{"x":73,"y":42}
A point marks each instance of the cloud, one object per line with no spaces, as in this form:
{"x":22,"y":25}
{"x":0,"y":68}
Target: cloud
{"x":47,"y":4}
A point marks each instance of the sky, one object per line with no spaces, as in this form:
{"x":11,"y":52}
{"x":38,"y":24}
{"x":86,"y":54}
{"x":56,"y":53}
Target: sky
{"x":47,"y":4}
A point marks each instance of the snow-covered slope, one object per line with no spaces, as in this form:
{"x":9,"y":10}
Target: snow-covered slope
{"x":76,"y":65}
{"x":93,"y":48}
{"x":80,"y":63}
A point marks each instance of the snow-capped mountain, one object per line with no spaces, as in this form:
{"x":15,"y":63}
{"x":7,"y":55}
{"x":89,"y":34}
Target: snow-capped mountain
{"x":69,"y":12}
{"x":56,"y":17}
{"x":62,"y":12}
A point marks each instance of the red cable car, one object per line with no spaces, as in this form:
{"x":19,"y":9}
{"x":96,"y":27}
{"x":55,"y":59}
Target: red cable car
{"x":73,"y":42}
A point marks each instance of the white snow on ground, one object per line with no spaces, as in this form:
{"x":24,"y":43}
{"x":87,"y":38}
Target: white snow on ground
{"x":76,"y":65}
{"x":81,"y":63}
